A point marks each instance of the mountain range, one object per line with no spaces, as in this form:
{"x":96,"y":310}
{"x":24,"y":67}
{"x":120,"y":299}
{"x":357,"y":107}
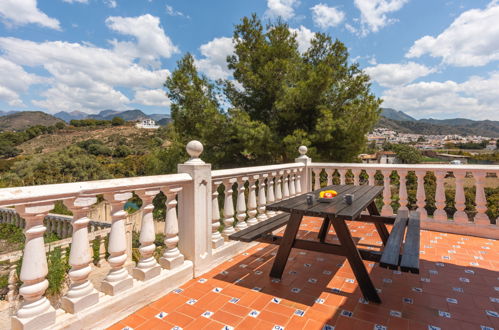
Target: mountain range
{"x":403,"y":123}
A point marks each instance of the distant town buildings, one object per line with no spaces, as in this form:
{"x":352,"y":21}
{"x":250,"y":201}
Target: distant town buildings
{"x":381,"y":157}
{"x":147,"y":123}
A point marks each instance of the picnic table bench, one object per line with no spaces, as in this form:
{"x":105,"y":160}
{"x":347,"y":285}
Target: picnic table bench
{"x":401,"y":245}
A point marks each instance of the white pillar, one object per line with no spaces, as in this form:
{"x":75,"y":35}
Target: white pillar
{"x":402,"y":190}
{"x":172,"y":258}
{"x":440,"y":213}
{"x":278,"y":190}
{"x":343,"y":173}
{"x":82,"y":293}
{"x":386,"y":210}
{"x":241,"y":205}
{"x":421,"y":195}
{"x":262,"y":200}
{"x":118,"y":279}
{"x":460,"y":215}
{"x":252,"y":201}
{"x":481,"y":202}
{"x":147,"y":267}
{"x":306,"y":175}
{"x":298,"y":189}
{"x":317,"y":178}
{"x":371,"y":180}
{"x":285,"y":186}
{"x":292,"y":187}
{"x":195,"y":210}
{"x":270,"y":195}
{"x":216,"y":238}
{"x":36,"y":312}
{"x":228,"y":210}
{"x":356,"y":176}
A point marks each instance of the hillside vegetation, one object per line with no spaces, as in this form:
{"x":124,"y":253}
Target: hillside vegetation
{"x":24,"y":119}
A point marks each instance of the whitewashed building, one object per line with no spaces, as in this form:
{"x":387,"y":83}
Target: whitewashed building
{"x":147,"y":123}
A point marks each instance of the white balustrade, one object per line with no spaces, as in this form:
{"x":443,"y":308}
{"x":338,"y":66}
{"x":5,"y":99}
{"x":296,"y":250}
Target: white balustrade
{"x":285,"y":185}
{"x":82,"y":293}
{"x":298,"y":190}
{"x":343,"y":173}
{"x":371,"y":179}
{"x":262,"y":200}
{"x":386,"y":210}
{"x":292,"y":186}
{"x":216,"y":238}
{"x":228,"y":210}
{"x":356,"y":176}
{"x":402,"y":190}
{"x":36,"y":311}
{"x":241,"y":205}
{"x":270,"y":196}
{"x":421,"y":194}
{"x":278,"y":189}
{"x":252,"y":205}
{"x":481,"y":202}
{"x":460,"y":215}
{"x":440,"y":213}
{"x":147,"y":267}
{"x":172,"y":257}
{"x":317,"y":178}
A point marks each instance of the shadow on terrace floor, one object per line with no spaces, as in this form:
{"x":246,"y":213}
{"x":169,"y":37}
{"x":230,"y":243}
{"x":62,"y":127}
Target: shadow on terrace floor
{"x":457,"y":288}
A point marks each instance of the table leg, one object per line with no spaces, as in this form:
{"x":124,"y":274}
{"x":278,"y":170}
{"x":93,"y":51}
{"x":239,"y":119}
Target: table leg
{"x":353,"y":256}
{"x":380,"y":227}
{"x":286,"y":244}
{"x":324,"y":230}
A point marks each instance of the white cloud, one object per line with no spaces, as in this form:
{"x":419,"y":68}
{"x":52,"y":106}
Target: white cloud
{"x":476,"y":98}
{"x":281,"y":8}
{"x":303,"y":37}
{"x":392,"y":75}
{"x":373,"y":13}
{"x":84,"y":77}
{"x":214,"y":63}
{"x":152,"y":97}
{"x":22,"y":12}
{"x":326,"y":17}
{"x":471,"y":40}
{"x":111,"y":3}
{"x":14,"y":82}
{"x":172,"y":12}
{"x":152,"y":42}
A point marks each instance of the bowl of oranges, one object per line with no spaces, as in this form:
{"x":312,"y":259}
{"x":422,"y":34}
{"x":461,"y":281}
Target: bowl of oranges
{"x":327,"y":196}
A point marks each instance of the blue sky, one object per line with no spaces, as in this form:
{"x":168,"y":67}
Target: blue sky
{"x":427,"y":58}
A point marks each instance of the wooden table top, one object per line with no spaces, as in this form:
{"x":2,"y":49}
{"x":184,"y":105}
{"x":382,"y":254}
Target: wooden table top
{"x":363,"y":196}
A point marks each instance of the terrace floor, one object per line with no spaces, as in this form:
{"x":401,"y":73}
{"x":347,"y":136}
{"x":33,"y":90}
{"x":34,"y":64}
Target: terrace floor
{"x":457,"y":288}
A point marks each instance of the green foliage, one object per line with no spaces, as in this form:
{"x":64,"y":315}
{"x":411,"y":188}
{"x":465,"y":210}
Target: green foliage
{"x":60,"y":208}
{"x":122,"y":151}
{"x":58,"y":267}
{"x":405,"y":153}
{"x":89,"y":122}
{"x":288,"y":99}
{"x":60,"y":125}
{"x":117,"y":121}
{"x":11,"y":233}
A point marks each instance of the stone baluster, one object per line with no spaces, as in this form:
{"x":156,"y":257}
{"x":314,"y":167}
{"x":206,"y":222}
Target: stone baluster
{"x":36,"y":312}
{"x":216,"y":238}
{"x":270,"y":194}
{"x":342,"y":173}
{"x":317,"y":178}
{"x":387,"y":194}
{"x":440,"y":213}
{"x":228,"y":210}
{"x":252,"y":200}
{"x":292,"y":180}
{"x":460,"y":215}
{"x":285,"y":186}
{"x":65,"y":230}
{"x":402,"y":190}
{"x":81,"y":293}
{"x":118,"y":279}
{"x":278,"y":190}
{"x":371,"y":180}
{"x":12,"y":284}
{"x":172,"y":257}
{"x":147,"y":267}
{"x":421,"y":195}
{"x":356,"y":176}
{"x":298,"y":182}
{"x":241,"y":205}
{"x":329,"y":173}
{"x":59,"y":227}
{"x":481,"y":202}
{"x":102,"y":251}
{"x":262,"y":200}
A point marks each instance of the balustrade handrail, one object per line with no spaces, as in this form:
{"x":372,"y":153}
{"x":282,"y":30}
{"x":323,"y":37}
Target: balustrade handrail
{"x":430,"y":167}
{"x":247,"y":171}
{"x":54,"y":192}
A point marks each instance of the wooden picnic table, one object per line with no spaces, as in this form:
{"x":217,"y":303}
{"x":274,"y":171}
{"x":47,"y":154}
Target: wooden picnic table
{"x":336,"y":213}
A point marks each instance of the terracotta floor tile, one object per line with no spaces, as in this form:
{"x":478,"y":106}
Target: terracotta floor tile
{"x":461,"y":285}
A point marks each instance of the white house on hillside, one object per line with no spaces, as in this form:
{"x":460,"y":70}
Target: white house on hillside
{"x":147,"y":123}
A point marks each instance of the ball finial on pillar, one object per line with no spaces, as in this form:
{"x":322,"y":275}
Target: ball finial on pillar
{"x":303,"y":151}
{"x":194,"y":149}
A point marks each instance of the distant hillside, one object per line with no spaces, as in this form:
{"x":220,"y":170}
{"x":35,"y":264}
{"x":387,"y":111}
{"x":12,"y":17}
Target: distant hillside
{"x":22,"y":120}
{"x":5,"y":113}
{"x":395,"y":115}
{"x":68,"y":116}
{"x":444,"y":127}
